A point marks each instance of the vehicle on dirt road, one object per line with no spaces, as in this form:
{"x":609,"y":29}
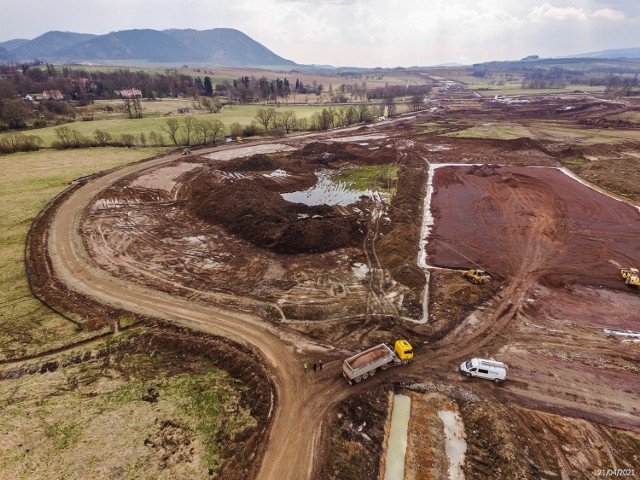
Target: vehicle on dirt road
{"x":631,"y":276}
{"x":483,"y":368}
{"x":476,"y":276}
{"x":365,"y":364}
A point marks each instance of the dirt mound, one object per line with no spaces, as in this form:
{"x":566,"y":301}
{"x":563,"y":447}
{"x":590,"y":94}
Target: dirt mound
{"x":265,"y":219}
{"x":255,"y":163}
{"x":328,"y":153}
{"x":524,"y":143}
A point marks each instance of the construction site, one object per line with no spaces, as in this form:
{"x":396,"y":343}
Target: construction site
{"x":267,"y":256}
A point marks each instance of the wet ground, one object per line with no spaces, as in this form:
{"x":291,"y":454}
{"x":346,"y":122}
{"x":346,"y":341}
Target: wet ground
{"x":220,"y":231}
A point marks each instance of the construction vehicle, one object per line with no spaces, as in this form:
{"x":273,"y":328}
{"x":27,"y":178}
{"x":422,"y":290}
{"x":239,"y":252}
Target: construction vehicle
{"x":476,"y":276}
{"x":631,"y":276}
{"x":365,"y":364}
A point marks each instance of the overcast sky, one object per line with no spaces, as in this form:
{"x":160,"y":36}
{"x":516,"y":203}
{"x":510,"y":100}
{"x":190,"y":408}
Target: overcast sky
{"x":358,"y":33}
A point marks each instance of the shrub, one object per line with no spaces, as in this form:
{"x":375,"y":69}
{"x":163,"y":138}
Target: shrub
{"x":18,"y":142}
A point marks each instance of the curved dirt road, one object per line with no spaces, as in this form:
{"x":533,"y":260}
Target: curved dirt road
{"x":296,"y":425}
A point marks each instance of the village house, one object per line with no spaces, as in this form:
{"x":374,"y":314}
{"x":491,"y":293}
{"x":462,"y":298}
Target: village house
{"x":129,"y":93}
{"x":54,"y":94}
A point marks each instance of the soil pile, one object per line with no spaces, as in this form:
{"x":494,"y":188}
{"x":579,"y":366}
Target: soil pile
{"x":262,"y":217}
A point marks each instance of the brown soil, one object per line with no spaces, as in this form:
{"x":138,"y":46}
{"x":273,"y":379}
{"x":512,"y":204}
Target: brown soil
{"x":181,"y":241}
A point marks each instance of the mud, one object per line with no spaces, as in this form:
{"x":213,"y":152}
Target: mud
{"x":217,"y":231}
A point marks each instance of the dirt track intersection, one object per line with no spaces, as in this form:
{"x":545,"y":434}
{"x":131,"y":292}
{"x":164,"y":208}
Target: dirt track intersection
{"x":209,"y":242}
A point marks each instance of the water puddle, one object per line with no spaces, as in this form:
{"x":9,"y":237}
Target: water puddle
{"x":455,"y":445}
{"x":397,"y":446}
{"x":327,"y":191}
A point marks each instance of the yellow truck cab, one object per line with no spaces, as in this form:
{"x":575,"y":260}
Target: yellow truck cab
{"x":403,"y":350}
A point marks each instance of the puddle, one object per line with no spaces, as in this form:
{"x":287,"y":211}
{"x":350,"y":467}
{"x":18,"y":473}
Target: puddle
{"x":622,"y":333}
{"x":455,"y":445}
{"x":397,"y":446}
{"x":327,"y":191}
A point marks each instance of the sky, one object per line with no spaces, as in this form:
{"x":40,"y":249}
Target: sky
{"x":359,"y":33}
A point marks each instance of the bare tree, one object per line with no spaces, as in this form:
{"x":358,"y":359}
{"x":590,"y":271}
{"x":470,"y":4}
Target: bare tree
{"x":265,"y":116}
{"x":286,"y":120}
{"x":103,"y":138}
{"x":189,"y":124}
{"x":171,"y":128}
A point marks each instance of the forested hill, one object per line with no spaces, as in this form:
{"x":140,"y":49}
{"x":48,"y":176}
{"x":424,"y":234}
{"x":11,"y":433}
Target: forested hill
{"x":218,"y":46}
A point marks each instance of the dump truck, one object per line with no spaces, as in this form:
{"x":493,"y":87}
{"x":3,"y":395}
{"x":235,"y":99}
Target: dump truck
{"x":476,"y":276}
{"x":365,"y":364}
{"x":631,"y":276}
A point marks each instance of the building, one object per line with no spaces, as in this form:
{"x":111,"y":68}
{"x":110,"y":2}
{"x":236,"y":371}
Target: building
{"x":129,"y":93}
{"x":52,"y":94}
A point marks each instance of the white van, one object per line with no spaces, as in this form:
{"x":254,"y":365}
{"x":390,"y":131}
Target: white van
{"x":489,"y":369}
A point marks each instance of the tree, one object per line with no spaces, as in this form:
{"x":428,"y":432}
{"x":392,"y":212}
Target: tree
{"x":189,"y":124}
{"x":212,"y":104}
{"x":265,"y":116}
{"x":235,"y":129}
{"x":208,"y":131}
{"x":102,"y":138}
{"x":208,"y":87}
{"x":364,"y":113}
{"x":67,"y":138}
{"x":416,"y":102}
{"x":14,"y":113}
{"x":286,"y":120}
{"x":171,"y":127}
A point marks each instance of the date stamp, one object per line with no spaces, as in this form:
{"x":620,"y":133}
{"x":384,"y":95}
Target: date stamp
{"x":616,"y":473}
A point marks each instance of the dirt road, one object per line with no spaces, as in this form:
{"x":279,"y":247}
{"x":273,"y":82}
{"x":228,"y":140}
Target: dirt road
{"x":296,"y":427}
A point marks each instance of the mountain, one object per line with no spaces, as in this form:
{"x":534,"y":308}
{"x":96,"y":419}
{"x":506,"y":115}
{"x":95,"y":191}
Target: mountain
{"x":5,"y":56}
{"x":150,"y":45}
{"x":616,"y":53}
{"x":11,"y":44}
{"x":42,"y":46}
{"x":218,"y":46}
{"x":227,"y":46}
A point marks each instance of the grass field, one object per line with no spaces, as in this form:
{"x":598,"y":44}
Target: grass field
{"x":118,"y":125}
{"x":126,"y":415}
{"x":28,"y":182}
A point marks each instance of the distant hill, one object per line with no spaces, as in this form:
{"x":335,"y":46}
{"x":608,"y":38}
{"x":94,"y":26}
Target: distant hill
{"x":616,"y":53}
{"x":5,"y":56}
{"x":218,"y":46}
{"x":41,"y":47}
{"x":227,"y":46}
{"x":11,"y":44}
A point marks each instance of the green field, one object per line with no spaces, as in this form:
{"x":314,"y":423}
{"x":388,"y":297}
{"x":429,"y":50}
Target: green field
{"x":117,"y":125}
{"x":28,"y":182}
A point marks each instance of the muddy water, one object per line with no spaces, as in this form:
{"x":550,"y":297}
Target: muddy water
{"x":455,"y":445}
{"x":327,"y":191}
{"x":397,"y":445}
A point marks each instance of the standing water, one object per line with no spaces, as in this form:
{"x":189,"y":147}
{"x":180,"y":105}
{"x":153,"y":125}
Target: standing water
{"x":455,"y":445}
{"x":327,"y":191}
{"x":397,"y":445}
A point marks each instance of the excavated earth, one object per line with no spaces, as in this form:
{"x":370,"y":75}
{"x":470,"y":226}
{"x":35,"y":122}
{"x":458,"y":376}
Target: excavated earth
{"x":217,"y":229}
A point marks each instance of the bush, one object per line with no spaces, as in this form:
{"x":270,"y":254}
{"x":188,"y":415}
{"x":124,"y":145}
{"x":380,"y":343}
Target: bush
{"x":69,"y":138}
{"x":251,"y":130}
{"x":156,"y":139}
{"x":235,"y":129}
{"x":18,"y":142}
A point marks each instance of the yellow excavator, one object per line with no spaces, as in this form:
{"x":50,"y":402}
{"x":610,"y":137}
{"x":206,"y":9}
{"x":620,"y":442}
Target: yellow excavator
{"x":476,"y":276}
{"x":631,"y":276}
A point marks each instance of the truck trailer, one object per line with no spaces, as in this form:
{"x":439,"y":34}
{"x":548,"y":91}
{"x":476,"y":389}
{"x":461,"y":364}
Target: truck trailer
{"x":365,"y":364}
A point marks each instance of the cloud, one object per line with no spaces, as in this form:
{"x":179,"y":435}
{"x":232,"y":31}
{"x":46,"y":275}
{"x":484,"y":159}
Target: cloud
{"x":609,"y":14}
{"x":546,"y":11}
